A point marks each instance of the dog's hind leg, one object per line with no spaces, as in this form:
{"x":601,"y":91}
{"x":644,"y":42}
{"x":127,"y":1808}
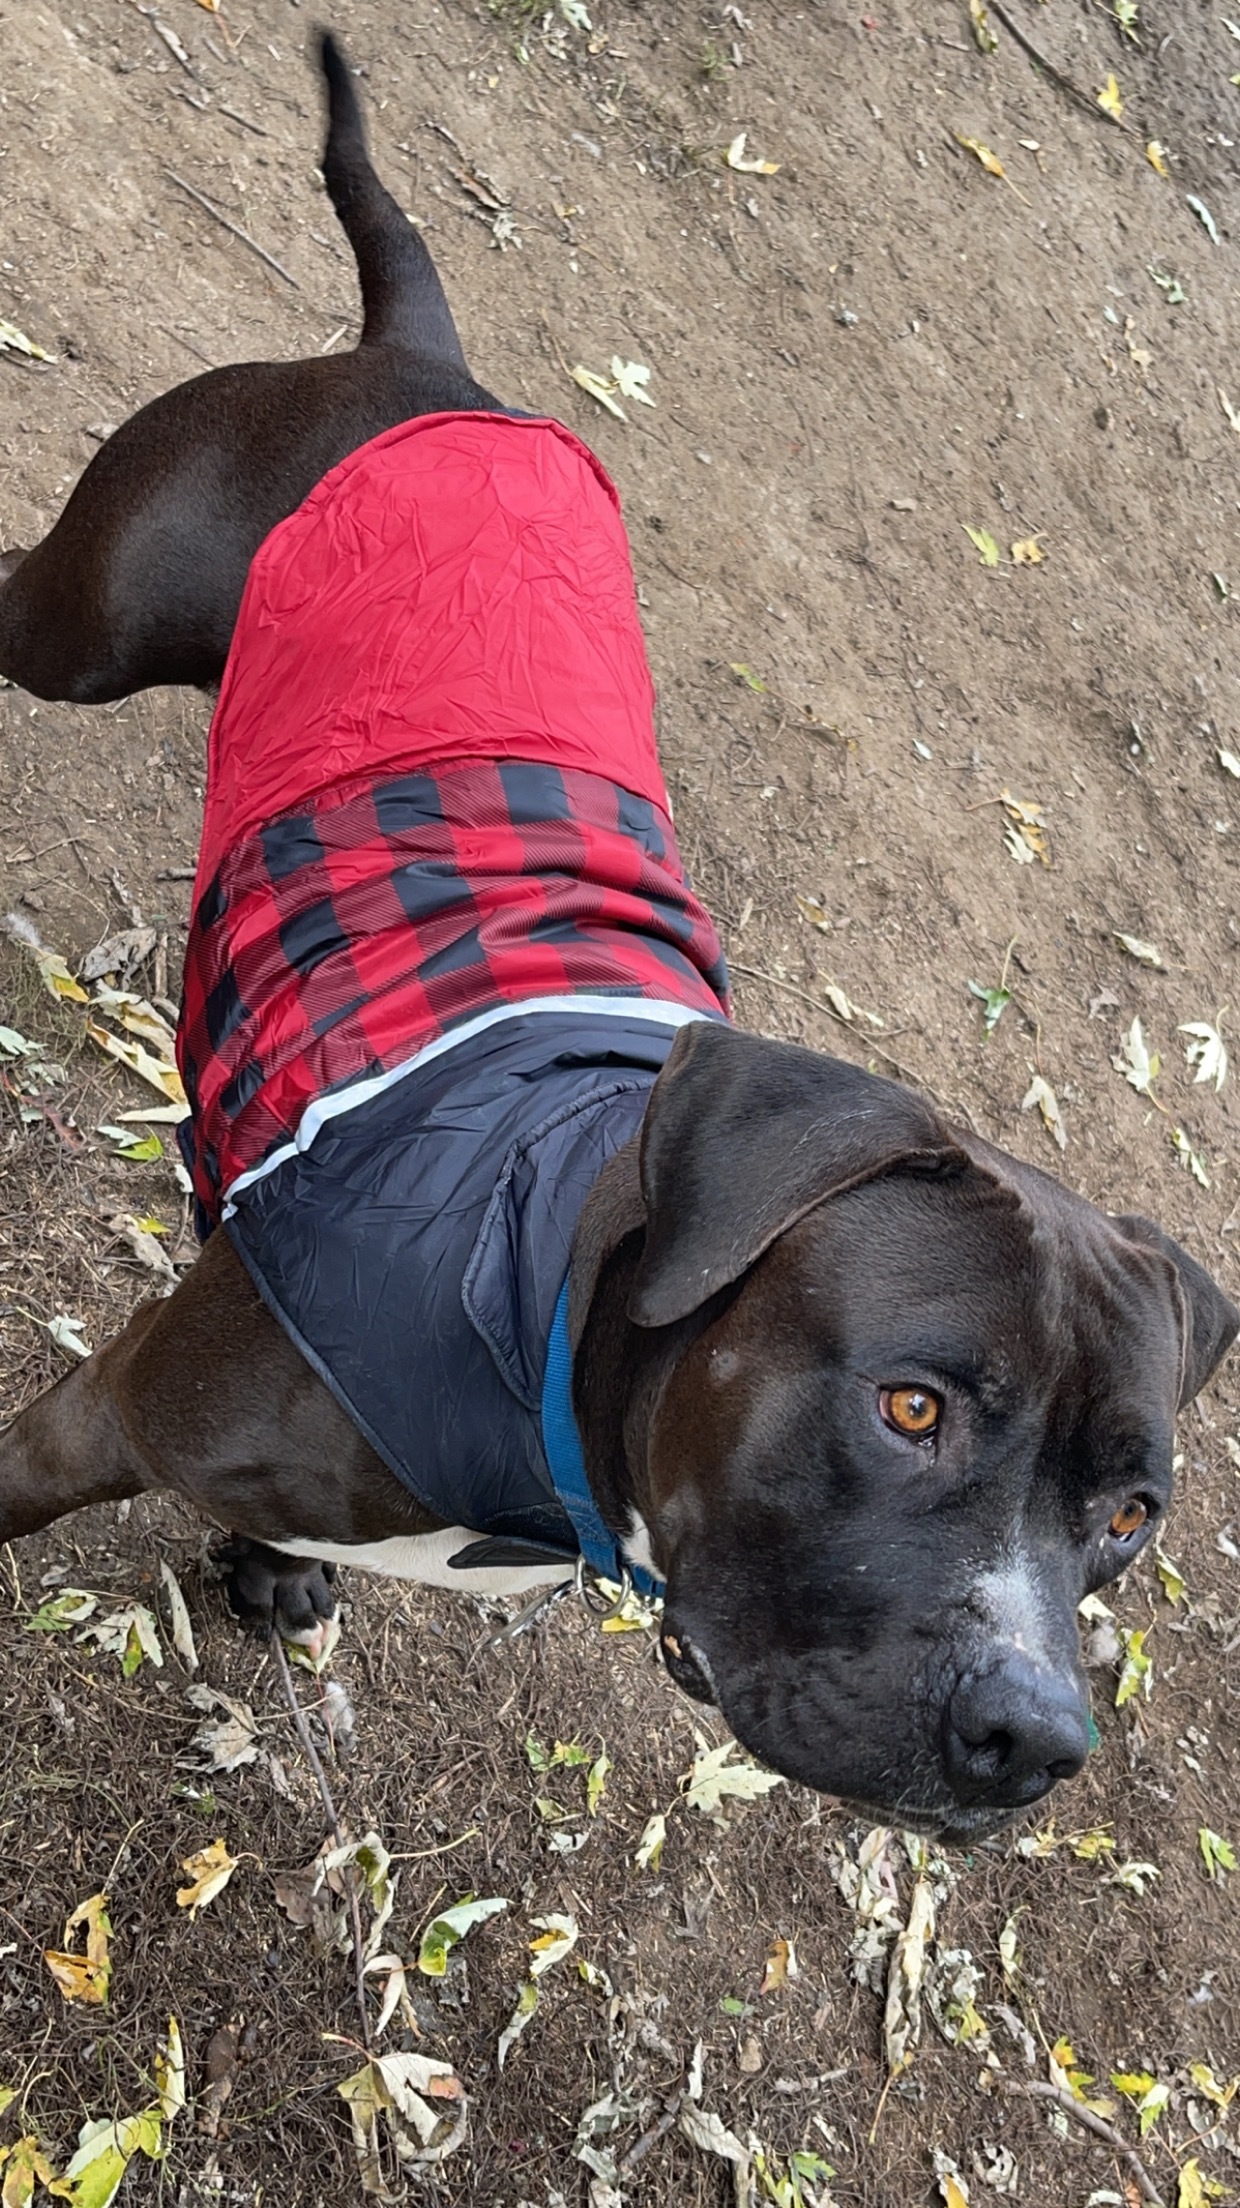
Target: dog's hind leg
{"x":140,"y":579}
{"x":206,"y":1394}
{"x":402,"y":296}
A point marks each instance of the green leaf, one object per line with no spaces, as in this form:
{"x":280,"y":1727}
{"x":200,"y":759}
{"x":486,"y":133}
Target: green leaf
{"x":1170,"y":285}
{"x":1170,"y":1575}
{"x":63,"y":1612}
{"x":987,"y":549}
{"x":16,"y":1046}
{"x":1204,"y":217}
{"x":1137,"y":1676}
{"x":93,"y":2177}
{"x":811,"y":2166}
{"x":596,"y":1781}
{"x":994,"y":1003}
{"x":149,"y":1147}
{"x":1217,"y":1854}
{"x":450,"y":1928}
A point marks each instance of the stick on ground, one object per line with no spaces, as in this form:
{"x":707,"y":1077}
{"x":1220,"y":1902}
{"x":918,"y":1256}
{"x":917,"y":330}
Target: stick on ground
{"x":315,"y":1762}
{"x":234,"y":229}
{"x":1099,"y":2127}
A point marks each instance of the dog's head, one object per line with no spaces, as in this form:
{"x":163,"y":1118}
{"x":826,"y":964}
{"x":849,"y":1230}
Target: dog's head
{"x":906,"y":1401}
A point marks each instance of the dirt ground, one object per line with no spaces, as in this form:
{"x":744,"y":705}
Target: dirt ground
{"x":852,"y":359}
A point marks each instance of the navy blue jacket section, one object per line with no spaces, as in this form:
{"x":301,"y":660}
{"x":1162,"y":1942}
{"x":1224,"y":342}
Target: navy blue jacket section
{"x":416,"y":1250}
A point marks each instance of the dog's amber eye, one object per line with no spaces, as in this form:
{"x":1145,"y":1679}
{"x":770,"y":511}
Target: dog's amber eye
{"x":912,"y":1411}
{"x":1129,"y":1519}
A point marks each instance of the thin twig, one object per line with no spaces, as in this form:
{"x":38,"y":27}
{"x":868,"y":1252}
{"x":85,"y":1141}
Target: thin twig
{"x":325,"y":1792}
{"x":244,"y":120}
{"x":1057,"y":76}
{"x":641,"y":2147}
{"x":234,"y":229}
{"x":774,"y":981}
{"x":1087,"y":2119}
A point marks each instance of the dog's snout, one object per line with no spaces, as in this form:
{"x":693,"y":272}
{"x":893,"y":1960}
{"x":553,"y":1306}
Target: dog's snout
{"x":1012,"y":1731}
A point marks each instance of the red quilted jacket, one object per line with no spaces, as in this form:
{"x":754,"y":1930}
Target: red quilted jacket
{"x":432,"y":784}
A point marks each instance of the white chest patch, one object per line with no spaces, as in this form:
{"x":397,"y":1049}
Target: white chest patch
{"x":636,"y":1546}
{"x":424,"y":1557}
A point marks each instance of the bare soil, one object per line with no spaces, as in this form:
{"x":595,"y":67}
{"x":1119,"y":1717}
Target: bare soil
{"x":852,"y":359}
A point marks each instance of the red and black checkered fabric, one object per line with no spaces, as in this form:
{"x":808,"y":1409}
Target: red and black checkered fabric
{"x":336,"y":942}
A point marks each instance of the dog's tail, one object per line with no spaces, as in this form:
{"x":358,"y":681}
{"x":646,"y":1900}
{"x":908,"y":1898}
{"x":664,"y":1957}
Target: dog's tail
{"x":401,"y":292}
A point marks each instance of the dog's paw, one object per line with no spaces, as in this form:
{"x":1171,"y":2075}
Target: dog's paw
{"x":271,"y":1592}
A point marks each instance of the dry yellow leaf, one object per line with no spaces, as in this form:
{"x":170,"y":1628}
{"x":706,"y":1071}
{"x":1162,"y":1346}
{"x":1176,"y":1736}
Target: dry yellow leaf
{"x":1027,"y":553}
{"x":140,"y":1061}
{"x":209,"y":1872}
{"x":25,"y":2166}
{"x":990,"y":161}
{"x":84,"y":1977}
{"x":1110,"y":99}
{"x":1027,"y":826}
{"x":781,"y":1965}
{"x":983,"y":37}
{"x":737,"y":158}
{"x":1156,"y":155}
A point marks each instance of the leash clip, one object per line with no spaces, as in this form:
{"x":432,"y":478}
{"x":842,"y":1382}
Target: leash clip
{"x":589,"y":1594}
{"x":526,"y":1617}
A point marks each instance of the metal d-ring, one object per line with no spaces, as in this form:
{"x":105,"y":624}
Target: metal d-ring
{"x":600,"y":1607}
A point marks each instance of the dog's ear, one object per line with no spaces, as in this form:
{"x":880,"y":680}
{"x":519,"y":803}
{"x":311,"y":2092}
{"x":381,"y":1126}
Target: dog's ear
{"x":741,"y":1138}
{"x":1209,"y":1320}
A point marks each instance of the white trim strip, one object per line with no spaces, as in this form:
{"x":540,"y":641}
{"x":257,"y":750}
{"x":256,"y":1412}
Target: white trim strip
{"x":657,"y":1011}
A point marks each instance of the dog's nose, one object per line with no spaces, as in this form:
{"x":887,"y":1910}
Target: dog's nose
{"x":687,"y":1664}
{"x":1011,"y":1732}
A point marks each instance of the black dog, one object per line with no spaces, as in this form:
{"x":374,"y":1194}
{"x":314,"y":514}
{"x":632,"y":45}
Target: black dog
{"x":878,"y":1403}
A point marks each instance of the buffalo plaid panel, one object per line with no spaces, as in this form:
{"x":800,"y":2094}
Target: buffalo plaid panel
{"x":338,"y":941}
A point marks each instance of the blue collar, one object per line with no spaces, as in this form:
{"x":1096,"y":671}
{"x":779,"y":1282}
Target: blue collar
{"x":562,"y":1444}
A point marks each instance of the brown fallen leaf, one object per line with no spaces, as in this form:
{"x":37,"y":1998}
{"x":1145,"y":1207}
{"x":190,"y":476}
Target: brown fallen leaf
{"x":220,"y":2070}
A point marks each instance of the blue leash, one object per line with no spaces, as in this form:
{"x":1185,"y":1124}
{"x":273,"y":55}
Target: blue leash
{"x":562,"y":1444}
